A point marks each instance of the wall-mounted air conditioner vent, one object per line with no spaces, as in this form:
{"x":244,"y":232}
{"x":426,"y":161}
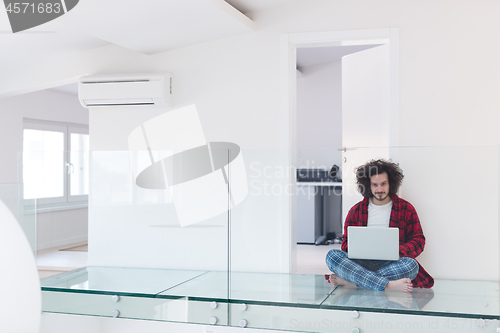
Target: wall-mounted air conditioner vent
{"x":126,"y":90}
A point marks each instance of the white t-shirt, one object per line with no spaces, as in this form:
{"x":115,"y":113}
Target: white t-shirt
{"x":379,"y":216}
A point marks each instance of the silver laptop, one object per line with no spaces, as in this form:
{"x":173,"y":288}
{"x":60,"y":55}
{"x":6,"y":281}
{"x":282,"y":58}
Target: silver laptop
{"x":373,"y":243}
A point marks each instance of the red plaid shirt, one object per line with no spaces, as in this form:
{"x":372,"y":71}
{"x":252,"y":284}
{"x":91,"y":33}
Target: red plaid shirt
{"x":411,"y":237}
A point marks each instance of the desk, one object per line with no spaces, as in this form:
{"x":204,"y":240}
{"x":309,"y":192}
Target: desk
{"x":319,"y":211}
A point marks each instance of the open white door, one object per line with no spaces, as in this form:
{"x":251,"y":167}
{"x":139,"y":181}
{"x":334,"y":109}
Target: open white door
{"x":369,"y":123}
{"x":370,"y":108}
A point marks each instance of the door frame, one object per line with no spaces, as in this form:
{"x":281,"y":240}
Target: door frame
{"x":288,"y":112}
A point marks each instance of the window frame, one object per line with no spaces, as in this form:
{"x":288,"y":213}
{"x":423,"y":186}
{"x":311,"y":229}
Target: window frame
{"x":66,"y":201}
{"x":74,"y":130}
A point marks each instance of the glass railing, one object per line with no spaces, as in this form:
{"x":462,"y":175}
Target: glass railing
{"x":210,"y":236}
{"x":11,"y":194}
{"x":157,"y":221}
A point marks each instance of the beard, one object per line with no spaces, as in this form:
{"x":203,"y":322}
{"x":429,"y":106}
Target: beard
{"x":380,"y":196}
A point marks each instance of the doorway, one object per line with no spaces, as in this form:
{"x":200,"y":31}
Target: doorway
{"x":357,"y":88}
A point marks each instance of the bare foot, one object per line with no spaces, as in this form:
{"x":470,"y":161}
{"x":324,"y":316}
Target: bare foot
{"x":401,"y":285}
{"x":338,"y":281}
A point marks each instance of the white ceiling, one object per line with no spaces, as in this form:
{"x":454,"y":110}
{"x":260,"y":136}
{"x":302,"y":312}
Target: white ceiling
{"x":71,"y":88}
{"x":146,"y":26}
{"x":153,"y":26}
{"x":313,"y":56}
{"x":248,"y":6}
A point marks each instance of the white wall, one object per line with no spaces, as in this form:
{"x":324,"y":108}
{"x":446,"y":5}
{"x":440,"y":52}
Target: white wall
{"x":54,"y":228}
{"x":319,"y":115}
{"x":61,"y":228}
{"x":448,"y":72}
{"x":367,"y":121}
{"x":455,"y":191}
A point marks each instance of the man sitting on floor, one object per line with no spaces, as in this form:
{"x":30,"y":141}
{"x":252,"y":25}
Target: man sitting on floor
{"x":378,"y":181}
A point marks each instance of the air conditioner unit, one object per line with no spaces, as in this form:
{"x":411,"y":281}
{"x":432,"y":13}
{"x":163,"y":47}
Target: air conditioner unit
{"x":125,"y":90}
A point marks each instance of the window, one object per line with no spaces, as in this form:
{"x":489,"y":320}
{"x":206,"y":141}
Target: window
{"x":55,"y":163}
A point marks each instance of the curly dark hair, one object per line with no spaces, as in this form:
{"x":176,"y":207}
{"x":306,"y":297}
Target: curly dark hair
{"x":376,"y":167}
